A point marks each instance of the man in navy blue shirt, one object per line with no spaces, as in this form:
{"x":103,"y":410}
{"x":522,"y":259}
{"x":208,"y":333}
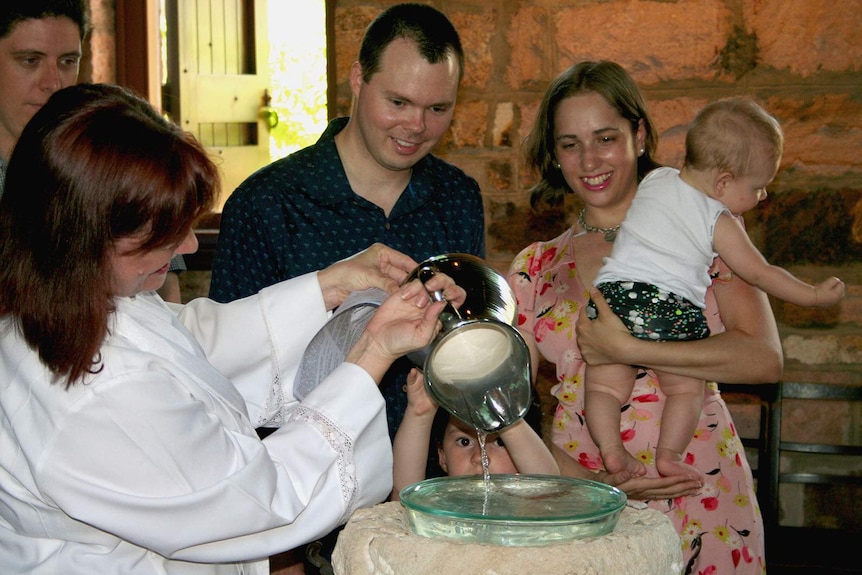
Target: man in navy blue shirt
{"x":369,"y":178}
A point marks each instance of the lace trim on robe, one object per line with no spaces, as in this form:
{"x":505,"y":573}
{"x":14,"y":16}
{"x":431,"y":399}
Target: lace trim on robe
{"x":343,"y":446}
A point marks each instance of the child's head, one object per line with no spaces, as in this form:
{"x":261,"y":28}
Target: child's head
{"x":727,"y":133}
{"x":458,"y":450}
{"x":454,"y":448}
{"x":741,"y":144}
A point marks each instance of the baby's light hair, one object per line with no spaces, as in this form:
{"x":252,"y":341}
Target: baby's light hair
{"x":726,"y":132}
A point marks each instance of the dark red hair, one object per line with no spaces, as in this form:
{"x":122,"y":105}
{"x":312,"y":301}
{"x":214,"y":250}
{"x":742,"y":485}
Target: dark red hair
{"x":95,"y":164}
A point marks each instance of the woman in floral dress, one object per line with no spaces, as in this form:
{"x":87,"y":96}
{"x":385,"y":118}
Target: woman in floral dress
{"x":593,"y":138}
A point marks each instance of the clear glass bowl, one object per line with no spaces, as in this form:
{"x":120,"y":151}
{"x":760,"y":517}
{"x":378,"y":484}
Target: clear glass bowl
{"x":515,"y":510}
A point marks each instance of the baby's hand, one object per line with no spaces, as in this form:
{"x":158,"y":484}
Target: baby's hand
{"x":829,"y":292}
{"x":418,"y":400}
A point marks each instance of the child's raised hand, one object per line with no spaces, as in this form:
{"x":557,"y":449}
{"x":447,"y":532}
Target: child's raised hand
{"x":418,"y":400}
{"x":829,"y":292}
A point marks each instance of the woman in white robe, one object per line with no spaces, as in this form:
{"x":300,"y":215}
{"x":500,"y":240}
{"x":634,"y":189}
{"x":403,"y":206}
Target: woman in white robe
{"x":143,"y":456}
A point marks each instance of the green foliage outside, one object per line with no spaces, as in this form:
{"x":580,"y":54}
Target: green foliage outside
{"x":297,"y":39}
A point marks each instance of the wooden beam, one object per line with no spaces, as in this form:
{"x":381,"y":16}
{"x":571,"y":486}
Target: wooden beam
{"x":139,"y":48}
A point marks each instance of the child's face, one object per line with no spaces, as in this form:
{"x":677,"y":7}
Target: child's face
{"x":460,"y":453}
{"x":744,"y":192}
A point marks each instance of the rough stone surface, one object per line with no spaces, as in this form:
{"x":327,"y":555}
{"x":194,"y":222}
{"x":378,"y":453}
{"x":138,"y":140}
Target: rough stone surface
{"x":468,"y":128}
{"x":527,"y":36}
{"x":503,"y":121}
{"x":379,"y":540}
{"x":644,"y":37}
{"x":829,"y":32}
{"x":476,"y":31}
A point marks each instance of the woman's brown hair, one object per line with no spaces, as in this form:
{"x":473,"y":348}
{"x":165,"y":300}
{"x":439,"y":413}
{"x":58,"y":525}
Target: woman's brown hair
{"x":94,"y":165}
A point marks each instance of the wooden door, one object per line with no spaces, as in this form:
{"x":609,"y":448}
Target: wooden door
{"x":222,"y":75}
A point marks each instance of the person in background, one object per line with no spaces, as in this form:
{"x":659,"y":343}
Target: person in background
{"x":657,"y":275}
{"x":40,"y":53}
{"x":593,"y":138}
{"x":517,"y":448}
{"x":369,"y":178}
{"x":128,"y":424}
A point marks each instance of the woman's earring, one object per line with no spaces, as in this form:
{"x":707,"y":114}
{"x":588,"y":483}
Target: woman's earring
{"x":557,"y":165}
{"x":641,"y":153}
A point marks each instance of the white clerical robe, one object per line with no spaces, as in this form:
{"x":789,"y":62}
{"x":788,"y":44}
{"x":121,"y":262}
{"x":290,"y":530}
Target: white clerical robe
{"x":152,"y":465}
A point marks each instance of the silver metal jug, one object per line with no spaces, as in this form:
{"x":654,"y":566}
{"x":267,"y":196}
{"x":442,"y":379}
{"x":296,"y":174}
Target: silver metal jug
{"x":478,"y":366}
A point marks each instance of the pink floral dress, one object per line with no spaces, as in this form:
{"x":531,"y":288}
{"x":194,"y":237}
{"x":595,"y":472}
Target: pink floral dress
{"x":721,"y":528}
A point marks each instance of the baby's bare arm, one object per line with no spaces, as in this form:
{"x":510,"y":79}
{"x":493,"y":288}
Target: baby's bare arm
{"x":739,"y":253}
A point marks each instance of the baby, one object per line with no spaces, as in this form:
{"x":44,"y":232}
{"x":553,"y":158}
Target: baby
{"x":658,"y":273}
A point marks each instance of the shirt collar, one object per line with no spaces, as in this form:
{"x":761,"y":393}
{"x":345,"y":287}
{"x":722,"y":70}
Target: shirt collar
{"x":415,"y":194}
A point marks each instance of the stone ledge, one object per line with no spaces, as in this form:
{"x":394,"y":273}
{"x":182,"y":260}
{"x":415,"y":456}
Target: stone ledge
{"x":841,"y":346}
{"x":795,"y":371}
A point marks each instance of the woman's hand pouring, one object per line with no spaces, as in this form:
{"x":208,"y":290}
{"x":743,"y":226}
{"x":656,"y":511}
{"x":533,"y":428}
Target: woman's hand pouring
{"x":406,"y":321}
{"x":380,"y":267}
{"x":402,"y":323}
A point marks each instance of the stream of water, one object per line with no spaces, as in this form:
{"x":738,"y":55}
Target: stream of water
{"x":482,"y":435}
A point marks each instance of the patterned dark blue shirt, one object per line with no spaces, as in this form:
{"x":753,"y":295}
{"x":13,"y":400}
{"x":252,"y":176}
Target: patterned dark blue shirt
{"x":299,"y":214}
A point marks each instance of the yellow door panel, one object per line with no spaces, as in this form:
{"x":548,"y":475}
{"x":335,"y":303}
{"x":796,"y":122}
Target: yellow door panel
{"x":223,"y":98}
{"x":223,"y":77}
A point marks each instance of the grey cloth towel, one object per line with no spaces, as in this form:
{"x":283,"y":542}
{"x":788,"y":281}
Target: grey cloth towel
{"x":330,"y":345}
